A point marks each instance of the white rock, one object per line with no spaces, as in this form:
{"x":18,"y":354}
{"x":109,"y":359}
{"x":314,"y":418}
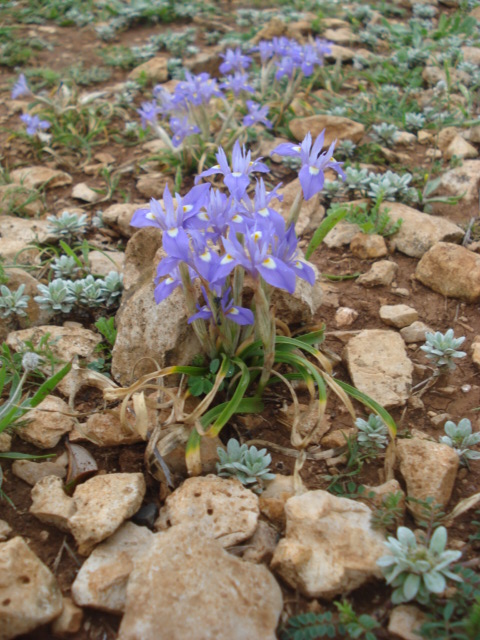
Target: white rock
{"x":5,"y":530}
{"x":119,"y":217}
{"x":5,"y":442}
{"x":187,"y":581}
{"x":31,"y":472}
{"x":419,"y":231}
{"x":102,"y":262}
{"x":82,"y":191}
{"x":261,"y":546}
{"x":345,"y":316}
{"x":29,"y":593}
{"x":381,"y":273}
{"x":51,"y":504}
{"x":341,"y":234}
{"x":311,"y":212}
{"x":379,"y":366}
{"x":460,"y":148}
{"x":398,"y":315}
{"x":329,"y":547}
{"x":101,"y":506}
{"x":429,"y":470}
{"x":415,"y":332}
{"x":275,"y":496}
{"x":221,"y":508}
{"x":460,"y":181}
{"x":47,"y":423}
{"x":102,"y":580}
{"x":405,"y":620}
{"x":34,"y":177}
{"x":16,"y":234}
{"x":105,"y":430}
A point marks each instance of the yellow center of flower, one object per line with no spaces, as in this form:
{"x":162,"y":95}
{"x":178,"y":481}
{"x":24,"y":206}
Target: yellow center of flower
{"x":233,"y":311}
{"x":257,"y":235}
{"x":226,"y":259}
{"x":206,"y":256}
{"x":269,"y":263}
{"x":187,"y":208}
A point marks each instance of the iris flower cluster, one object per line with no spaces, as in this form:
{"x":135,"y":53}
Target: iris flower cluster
{"x":209,"y":235}
{"x":188,"y":109}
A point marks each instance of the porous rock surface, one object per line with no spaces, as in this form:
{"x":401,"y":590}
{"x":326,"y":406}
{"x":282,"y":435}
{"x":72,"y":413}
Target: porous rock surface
{"x":189,"y":582}
{"x":29,"y":593}
{"x":379,"y":366}
{"x":102,"y":504}
{"x":221,"y":508}
{"x":50,"y":503}
{"x":452,"y":271}
{"x":329,"y":547}
{"x":47,"y":423}
{"x":429,"y":470}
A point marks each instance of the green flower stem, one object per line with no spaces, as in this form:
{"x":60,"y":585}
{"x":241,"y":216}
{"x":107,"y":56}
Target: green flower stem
{"x":199,"y":326}
{"x":226,"y":123}
{"x":266,"y":331}
{"x":295,"y":208}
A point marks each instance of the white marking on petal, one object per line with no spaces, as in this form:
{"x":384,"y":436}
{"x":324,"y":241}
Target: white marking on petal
{"x":150,"y":216}
{"x":237,"y":174}
{"x":227,"y":258}
{"x":269,"y":263}
{"x":187,"y":208}
{"x":206,"y":256}
{"x":173,"y":233}
{"x":169,"y":280}
{"x":203,"y":215}
{"x":297,"y":148}
{"x":257,"y":235}
{"x":313,"y":171}
{"x":237,"y":218}
{"x":263,"y":212}
{"x":299,"y":264}
{"x":233,"y":312}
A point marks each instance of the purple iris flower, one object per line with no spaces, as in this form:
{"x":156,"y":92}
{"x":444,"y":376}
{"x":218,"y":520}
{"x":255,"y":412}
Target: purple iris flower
{"x":286,"y":67}
{"x":234,"y":60}
{"x":148,"y":113}
{"x":282,"y":46}
{"x":287,"y":250}
{"x":34,"y":123}
{"x":165,"y":287}
{"x":255,"y":256}
{"x":323,"y":47}
{"x":181,"y":128}
{"x":237,"y":178}
{"x":310,"y":59}
{"x":164,"y":99}
{"x":20,"y":88}
{"x":260,"y":210}
{"x":314,"y":163}
{"x":217,"y":216}
{"x":223,"y":306}
{"x":266,"y":50}
{"x":237,"y":82}
{"x":256,"y":113}
{"x":196,"y":90}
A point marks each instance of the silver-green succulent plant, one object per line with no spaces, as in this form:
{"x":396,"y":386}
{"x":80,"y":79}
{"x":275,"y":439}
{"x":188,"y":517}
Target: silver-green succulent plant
{"x":67,"y":224}
{"x":247,"y":464}
{"x":372,"y":433}
{"x":460,"y":438}
{"x":415,"y":570}
{"x":64,"y":267}
{"x":441,"y":349}
{"x":55,"y":296}
{"x":13,"y":302}
{"x":111,"y":288}
{"x":385,"y":133}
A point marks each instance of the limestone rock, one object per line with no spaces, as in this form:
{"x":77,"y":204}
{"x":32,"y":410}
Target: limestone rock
{"x":29,"y":593}
{"x":274,"y":28}
{"x":273,"y":499}
{"x":344,"y":54}
{"x":152,"y":185}
{"x":5,"y":442}
{"x":367,"y":246}
{"x":342,"y":36}
{"x":102,"y":580}
{"x":476,"y":351}
{"x":419,"y":231}
{"x":51,"y":504}
{"x":345,"y":316}
{"x":336,"y":128}
{"x":405,"y":620}
{"x":398,"y":315}
{"x":38,"y":176}
{"x":69,"y":621}
{"x":101,"y":263}
{"x":261,"y":546}
{"x":144,"y":329}
{"x":119,"y":217}
{"x":381,"y":273}
{"x":31,"y":472}
{"x":471,"y":54}
{"x":311,"y":212}
{"x":17,"y":233}
{"x":5,"y":530}
{"x":81,"y":191}
{"x":452,"y":271}
{"x":329,"y":547}
{"x":102,"y":504}
{"x":221,"y":508}
{"x":299,"y":306}
{"x":415,"y":332}
{"x":154,"y":70}
{"x":460,"y":181}
{"x":341,"y":234}
{"x":379,"y":366}
{"x":47,"y":423}
{"x":429,"y":470}
{"x":460,"y":148}
{"x":105,"y":430}
{"x":187,"y":582}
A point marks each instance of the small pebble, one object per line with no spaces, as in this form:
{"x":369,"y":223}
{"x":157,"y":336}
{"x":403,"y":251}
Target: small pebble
{"x":466,"y":388}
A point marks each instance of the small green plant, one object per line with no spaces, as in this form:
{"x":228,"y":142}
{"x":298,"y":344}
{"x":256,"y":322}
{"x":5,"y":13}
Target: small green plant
{"x":388,"y":515}
{"x":247,"y":464}
{"x":373,"y":432}
{"x":64,"y":267}
{"x":415,"y":570}
{"x":105,"y":326}
{"x":460,"y":438}
{"x":356,"y":626}
{"x":13,"y":302}
{"x":441,"y":349}
{"x":55,"y":297}
{"x":384,"y":133}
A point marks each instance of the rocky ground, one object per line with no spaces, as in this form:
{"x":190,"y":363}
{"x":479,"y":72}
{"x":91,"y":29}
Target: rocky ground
{"x":96,"y":541}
